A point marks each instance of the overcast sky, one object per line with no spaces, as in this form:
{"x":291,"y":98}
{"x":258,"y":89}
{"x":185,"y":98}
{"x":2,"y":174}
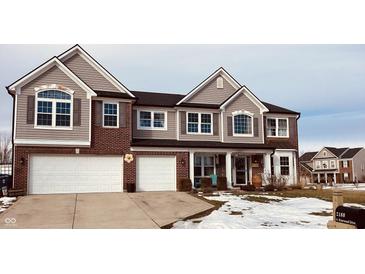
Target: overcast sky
{"x":326,"y":83}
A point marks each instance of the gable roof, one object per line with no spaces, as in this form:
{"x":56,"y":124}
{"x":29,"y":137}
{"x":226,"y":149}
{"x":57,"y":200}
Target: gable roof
{"x":350,"y":153}
{"x":306,"y":166}
{"x":156,"y":99}
{"x":54,"y":61}
{"x":220,"y":71}
{"x":160,"y":99}
{"x":308,"y":156}
{"x":337,"y":151}
{"x":77,"y":49}
{"x":249,"y":94}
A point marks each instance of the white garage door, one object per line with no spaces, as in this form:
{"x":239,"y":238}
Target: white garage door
{"x":75,"y":174}
{"x":156,"y":173}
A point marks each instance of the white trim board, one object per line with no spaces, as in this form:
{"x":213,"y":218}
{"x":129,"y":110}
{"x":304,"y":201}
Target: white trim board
{"x":90,"y":60}
{"x":46,"y":142}
{"x":222,"y":72}
{"x":45,"y":67}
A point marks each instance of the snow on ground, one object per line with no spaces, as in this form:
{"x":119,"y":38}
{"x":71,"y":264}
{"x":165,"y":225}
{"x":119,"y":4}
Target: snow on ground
{"x":5,"y":202}
{"x":360,"y":187}
{"x":272,"y":212}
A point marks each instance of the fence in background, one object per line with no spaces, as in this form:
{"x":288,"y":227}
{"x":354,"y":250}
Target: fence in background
{"x":6,"y":169}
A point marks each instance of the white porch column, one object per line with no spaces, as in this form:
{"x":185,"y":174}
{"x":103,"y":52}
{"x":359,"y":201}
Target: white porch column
{"x":229,"y":169}
{"x":319,"y":178}
{"x":267,"y":167}
{"x":191,"y":167}
{"x":334,"y":179}
{"x":325,"y":178}
{"x":295,"y":175}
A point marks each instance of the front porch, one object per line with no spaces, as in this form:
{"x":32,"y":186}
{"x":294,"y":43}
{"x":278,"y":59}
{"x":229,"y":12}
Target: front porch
{"x":325,"y":177}
{"x":239,"y":167}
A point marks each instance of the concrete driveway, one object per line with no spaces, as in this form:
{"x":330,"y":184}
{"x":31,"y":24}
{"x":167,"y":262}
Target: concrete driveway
{"x":103,"y":210}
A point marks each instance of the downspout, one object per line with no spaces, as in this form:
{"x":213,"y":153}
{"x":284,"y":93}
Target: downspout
{"x":12,"y":138}
{"x":297,"y":156}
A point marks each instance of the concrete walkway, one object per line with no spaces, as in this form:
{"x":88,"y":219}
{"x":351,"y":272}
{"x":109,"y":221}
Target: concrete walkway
{"x":102,"y":210}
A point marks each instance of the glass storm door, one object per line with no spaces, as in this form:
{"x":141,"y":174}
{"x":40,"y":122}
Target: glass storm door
{"x":241,"y":170}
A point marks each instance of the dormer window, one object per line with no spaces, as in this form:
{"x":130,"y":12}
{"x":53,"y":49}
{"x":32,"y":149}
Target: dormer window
{"x":54,"y":109}
{"x":220,"y":82}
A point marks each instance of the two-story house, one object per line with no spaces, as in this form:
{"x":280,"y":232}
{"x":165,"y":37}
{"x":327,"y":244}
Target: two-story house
{"x":76,"y":128}
{"x":334,"y":165}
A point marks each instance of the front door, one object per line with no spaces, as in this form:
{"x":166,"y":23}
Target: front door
{"x":241,"y":170}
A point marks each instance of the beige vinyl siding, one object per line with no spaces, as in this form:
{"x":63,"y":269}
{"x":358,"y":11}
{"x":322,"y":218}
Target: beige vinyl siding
{"x":242,"y":102}
{"x":170,"y":133}
{"x":88,"y":74}
{"x":27,"y":131}
{"x":321,"y":154}
{"x":210,"y":94}
{"x":359,"y":163}
{"x":200,"y":137}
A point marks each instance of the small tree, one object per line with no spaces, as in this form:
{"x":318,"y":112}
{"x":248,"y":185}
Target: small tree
{"x":5,"y":148}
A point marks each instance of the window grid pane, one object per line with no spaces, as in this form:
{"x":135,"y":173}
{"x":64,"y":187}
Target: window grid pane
{"x":284,"y":165}
{"x":110,"y":109}
{"x":193,"y":122}
{"x":242,"y":124}
{"x":271,"y":127}
{"x":44,"y":119}
{"x":283,"y":127}
{"x":44,"y":107}
{"x":54,"y":94}
{"x":145,"y":119}
{"x":62,"y":120}
{"x":159,"y":120}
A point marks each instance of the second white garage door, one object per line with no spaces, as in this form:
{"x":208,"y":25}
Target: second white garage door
{"x":155,"y":173}
{"x":75,"y":174}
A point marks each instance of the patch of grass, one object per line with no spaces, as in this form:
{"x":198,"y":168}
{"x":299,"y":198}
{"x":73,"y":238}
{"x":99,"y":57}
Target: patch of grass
{"x":356,"y":197}
{"x":321,"y":213}
{"x":235,"y":213}
{"x":260,"y":199}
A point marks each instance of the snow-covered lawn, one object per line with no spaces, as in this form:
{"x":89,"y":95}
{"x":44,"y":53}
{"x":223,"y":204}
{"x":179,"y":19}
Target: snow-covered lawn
{"x":5,"y":202}
{"x":360,"y":187}
{"x":263,"y":211}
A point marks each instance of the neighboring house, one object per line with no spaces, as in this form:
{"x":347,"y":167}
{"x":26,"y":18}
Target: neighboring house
{"x":334,"y":165}
{"x":78,"y":129}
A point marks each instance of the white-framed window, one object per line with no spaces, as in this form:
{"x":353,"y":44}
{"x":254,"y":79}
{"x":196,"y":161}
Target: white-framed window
{"x":318,"y":164}
{"x":199,"y":123}
{"x":220,"y":82}
{"x":277,"y":127}
{"x":324,"y":164}
{"x":284,"y":165}
{"x":204,"y":165}
{"x":242,"y":124}
{"x":110,"y":114}
{"x":152,"y":120}
{"x":333,"y":163}
{"x":53,"y":109}
{"x":345,"y":164}
{"x":346,"y":176}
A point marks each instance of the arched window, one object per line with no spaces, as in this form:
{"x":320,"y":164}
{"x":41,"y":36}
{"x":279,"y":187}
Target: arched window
{"x":220,"y":82}
{"x":54,"y":109}
{"x":242,"y":124}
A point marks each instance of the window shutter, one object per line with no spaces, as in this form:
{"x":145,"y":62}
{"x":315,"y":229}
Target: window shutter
{"x":292,"y":127}
{"x":215,"y":124}
{"x":77,"y":112}
{"x":30,"y":109}
{"x":229,"y":126}
{"x":122,"y":114}
{"x":183,"y":122}
{"x":256,"y":127}
{"x":99,"y":113}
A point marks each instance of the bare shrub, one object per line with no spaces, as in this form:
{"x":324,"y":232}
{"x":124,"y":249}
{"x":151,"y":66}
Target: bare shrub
{"x":274,"y":182}
{"x":5,"y":148}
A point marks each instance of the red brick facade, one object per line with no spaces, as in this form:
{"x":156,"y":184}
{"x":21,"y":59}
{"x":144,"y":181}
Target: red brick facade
{"x":104,"y":141}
